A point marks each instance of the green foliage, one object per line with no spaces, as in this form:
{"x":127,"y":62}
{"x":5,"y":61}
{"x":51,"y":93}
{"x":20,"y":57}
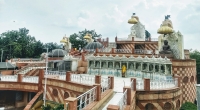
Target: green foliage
{"x":195,"y":54}
{"x":80,"y":41}
{"x":19,"y":44}
{"x":51,"y":107}
{"x":48,"y":107}
{"x":188,"y":106}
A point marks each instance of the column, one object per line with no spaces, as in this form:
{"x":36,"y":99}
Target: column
{"x":19,"y":77}
{"x":98,"y":92}
{"x":71,"y":102}
{"x":128,"y":100}
{"x":68,"y":76}
{"x":111,"y":82}
{"x":97,"y":79}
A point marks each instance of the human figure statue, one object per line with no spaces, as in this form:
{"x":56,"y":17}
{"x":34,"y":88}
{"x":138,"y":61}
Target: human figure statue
{"x":166,"y":48}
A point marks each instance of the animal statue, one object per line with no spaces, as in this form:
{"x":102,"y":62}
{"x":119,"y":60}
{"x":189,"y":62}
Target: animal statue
{"x":67,"y":44}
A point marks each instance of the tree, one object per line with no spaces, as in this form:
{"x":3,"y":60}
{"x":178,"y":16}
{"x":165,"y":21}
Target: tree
{"x":147,"y":35}
{"x":195,"y":54}
{"x":76,"y":39}
{"x":188,"y":106}
{"x":19,"y":44}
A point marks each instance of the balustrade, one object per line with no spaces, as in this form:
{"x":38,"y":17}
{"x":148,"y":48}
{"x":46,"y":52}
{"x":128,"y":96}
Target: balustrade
{"x":86,"y":98}
{"x":123,"y":100}
{"x":105,"y":84}
{"x":30,"y":79}
{"x":83,"y":79}
{"x":9,"y":78}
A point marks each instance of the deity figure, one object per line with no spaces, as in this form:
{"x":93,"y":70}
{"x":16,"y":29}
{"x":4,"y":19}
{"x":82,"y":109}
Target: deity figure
{"x":166,"y":48}
{"x":104,"y":64}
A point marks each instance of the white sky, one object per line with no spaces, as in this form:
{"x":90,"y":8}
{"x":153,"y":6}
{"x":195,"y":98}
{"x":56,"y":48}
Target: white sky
{"x":50,"y":20}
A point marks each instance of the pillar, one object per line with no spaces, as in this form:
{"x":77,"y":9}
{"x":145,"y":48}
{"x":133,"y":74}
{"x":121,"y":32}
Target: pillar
{"x":134,"y":84}
{"x":132,"y":38}
{"x":97,"y":50}
{"x":146,"y":84}
{"x":179,"y":80}
{"x":133,"y":50}
{"x":115,"y":39}
{"x":83,"y":56}
{"x":19,"y":77}
{"x":113,"y":50}
{"x":72,"y":103}
{"x":111,"y":82}
{"x":68,"y":76}
{"x":128,"y":100}
{"x":97,"y":79}
{"x":98,"y":92}
{"x":113,"y":107}
{"x":41,"y":76}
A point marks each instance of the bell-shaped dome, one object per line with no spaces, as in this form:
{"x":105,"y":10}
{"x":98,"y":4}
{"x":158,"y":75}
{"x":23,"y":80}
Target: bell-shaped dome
{"x":93,"y":45}
{"x":165,"y":30}
{"x":57,"y":53}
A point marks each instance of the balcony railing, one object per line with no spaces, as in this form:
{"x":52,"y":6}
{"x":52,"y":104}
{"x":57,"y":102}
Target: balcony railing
{"x":30,"y":79}
{"x":123,"y":100}
{"x":83,"y":79}
{"x":86,"y":98}
{"x":105,"y":84}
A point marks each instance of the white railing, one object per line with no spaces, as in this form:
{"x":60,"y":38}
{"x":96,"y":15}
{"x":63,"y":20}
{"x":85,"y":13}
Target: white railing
{"x":9,"y":78}
{"x":163,"y":84}
{"x":140,"y":84}
{"x":62,"y":77}
{"x":123,"y":100}
{"x":105,"y":84}
{"x":86,"y":98}
{"x":30,"y":79}
{"x":104,"y":50}
{"x":83,"y":79}
{"x":55,"y":73}
{"x":123,"y":39}
{"x":123,"y":50}
{"x":27,"y":69}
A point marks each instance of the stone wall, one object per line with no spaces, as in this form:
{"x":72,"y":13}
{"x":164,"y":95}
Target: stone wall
{"x":159,"y":99}
{"x":186,"y":70}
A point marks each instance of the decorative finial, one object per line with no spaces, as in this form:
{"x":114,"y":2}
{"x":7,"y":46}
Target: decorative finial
{"x":133,"y":13}
{"x":167,"y":17}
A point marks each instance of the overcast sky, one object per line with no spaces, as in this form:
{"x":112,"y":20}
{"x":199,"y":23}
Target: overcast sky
{"x":50,"y":20}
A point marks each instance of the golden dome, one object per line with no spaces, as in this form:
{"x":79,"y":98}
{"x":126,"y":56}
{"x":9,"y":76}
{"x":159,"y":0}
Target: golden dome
{"x":133,"y":20}
{"x":64,"y":40}
{"x":165,"y":30}
{"x":87,"y":36}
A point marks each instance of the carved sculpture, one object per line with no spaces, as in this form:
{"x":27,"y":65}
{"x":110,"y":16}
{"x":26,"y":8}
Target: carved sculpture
{"x":166,"y":48}
{"x":67,"y":44}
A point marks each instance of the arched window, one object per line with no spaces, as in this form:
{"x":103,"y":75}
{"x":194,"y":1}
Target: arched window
{"x":55,"y":92}
{"x":185,"y":79}
{"x":149,"y":106}
{"x":178,"y":104}
{"x":192,"y":79}
{"x":167,"y":106}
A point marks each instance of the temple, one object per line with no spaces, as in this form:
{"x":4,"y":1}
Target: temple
{"x":136,"y":72}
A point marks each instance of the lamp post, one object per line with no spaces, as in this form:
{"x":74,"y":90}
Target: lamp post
{"x":45,"y":82}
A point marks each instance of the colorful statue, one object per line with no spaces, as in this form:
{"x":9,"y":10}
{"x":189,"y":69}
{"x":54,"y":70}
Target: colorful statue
{"x":123,"y":70}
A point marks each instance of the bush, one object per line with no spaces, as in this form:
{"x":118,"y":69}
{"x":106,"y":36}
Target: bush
{"x":188,"y":106}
